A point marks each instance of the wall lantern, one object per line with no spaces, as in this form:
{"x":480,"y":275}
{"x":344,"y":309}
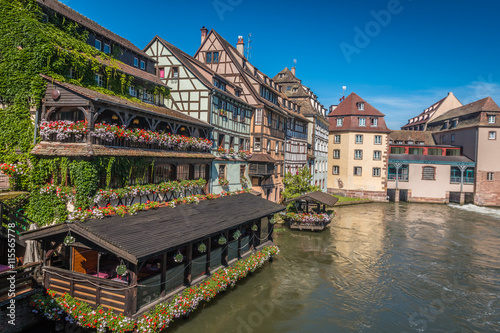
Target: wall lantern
{"x":114,"y":117}
{"x":135,"y":121}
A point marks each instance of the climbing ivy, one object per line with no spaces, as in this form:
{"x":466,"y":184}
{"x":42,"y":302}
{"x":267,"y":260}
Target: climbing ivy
{"x":46,"y":208}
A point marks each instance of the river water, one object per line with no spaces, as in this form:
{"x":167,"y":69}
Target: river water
{"x":378,"y":268}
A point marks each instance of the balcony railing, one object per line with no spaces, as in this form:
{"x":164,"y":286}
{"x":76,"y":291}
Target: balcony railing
{"x":260,"y":169}
{"x":277,"y":134}
{"x":467,"y":180}
{"x":120,"y":142}
{"x":400,"y":177}
{"x":295,"y":134}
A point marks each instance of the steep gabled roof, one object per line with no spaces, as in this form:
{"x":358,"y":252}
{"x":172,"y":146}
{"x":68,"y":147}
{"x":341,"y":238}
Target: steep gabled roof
{"x":349,"y":107}
{"x":349,"y":111}
{"x":232,"y":53}
{"x":192,"y":65}
{"x":288,"y":77}
{"x":485,"y":104}
{"x":140,"y":106}
{"x":87,"y":23}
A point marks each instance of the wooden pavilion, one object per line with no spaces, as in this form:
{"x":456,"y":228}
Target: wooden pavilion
{"x":314,"y":202}
{"x":148,"y":244}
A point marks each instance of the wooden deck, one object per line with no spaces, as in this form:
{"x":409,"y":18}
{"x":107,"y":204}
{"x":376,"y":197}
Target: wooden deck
{"x":308,"y":226}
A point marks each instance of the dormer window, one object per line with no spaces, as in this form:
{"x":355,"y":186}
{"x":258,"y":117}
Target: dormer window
{"x":219,"y":84}
{"x":136,"y":62}
{"x":361,"y":106}
{"x":339,"y":122}
{"x":491,"y":119}
{"x":362,"y":122}
{"x":143,"y":65}
{"x":374,"y":122}
{"x":107,"y":48}
{"x":445,"y":125}
{"x":98,"y":44}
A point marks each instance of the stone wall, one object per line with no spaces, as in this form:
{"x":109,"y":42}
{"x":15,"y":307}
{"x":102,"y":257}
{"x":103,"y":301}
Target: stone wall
{"x":380,"y":196}
{"x":487,"y":192}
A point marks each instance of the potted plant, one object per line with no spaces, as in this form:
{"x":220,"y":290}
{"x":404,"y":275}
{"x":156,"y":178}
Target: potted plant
{"x":223,"y":182}
{"x":121,"y":269}
{"x":237,"y":234}
{"x":202,"y":248}
{"x":68,"y":240}
{"x":178,"y":258}
{"x":255,"y":227}
{"x":222,"y":240}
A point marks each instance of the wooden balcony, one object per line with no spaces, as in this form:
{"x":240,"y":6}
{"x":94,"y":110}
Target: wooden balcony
{"x":22,"y":277}
{"x":260,"y":169}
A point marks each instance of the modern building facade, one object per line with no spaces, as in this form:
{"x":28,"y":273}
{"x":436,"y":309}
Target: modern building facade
{"x":421,"y":171}
{"x":358,"y":146}
{"x":198,"y":91}
{"x":317,"y":134}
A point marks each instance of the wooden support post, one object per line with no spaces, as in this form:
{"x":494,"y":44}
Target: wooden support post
{"x":239,"y":243}
{"x":133,"y":292}
{"x":225,"y":252}
{"x":271,"y":231}
{"x":163,"y":273}
{"x":209,"y":250}
{"x":252,"y":243}
{"x":187,"y":265}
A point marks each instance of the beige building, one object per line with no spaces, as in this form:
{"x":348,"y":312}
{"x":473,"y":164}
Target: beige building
{"x":357,"y":154}
{"x":419,"y":123}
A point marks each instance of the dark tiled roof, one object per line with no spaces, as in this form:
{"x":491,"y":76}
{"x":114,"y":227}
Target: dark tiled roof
{"x":84,"y":21}
{"x":141,"y":106}
{"x":432,"y":158}
{"x":317,"y":196}
{"x":53,"y":149}
{"x":153,"y":232}
{"x":132,"y":71}
{"x":485,"y":104}
{"x":262,"y":158}
{"x":414,"y":136}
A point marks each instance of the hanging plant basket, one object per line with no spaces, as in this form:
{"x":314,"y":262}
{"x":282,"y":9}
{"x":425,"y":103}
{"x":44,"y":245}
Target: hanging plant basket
{"x":222,"y":240}
{"x":255,"y":227}
{"x":178,"y":258}
{"x":202,"y":248}
{"x":121,"y":270}
{"x":237,"y":234}
{"x":68,"y":240}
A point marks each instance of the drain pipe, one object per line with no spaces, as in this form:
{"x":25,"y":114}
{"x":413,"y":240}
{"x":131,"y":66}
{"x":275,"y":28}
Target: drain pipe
{"x":36,"y":125}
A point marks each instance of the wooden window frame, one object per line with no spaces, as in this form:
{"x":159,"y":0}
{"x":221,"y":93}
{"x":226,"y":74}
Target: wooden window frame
{"x":433,"y":172}
{"x":360,"y":173}
{"x":338,"y":155}
{"x":358,"y":152}
{"x":379,"y":155}
{"x":333,"y":170}
{"x":379,"y":172}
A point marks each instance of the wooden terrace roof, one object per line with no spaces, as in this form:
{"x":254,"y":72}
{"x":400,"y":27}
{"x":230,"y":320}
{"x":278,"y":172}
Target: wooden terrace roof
{"x":150,"y":233}
{"x":317,"y":196}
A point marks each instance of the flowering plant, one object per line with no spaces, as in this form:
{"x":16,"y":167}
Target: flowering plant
{"x":121,"y":269}
{"x":244,"y":181}
{"x":64,"y":193}
{"x":68,"y":240}
{"x":121,"y":210}
{"x":245,"y":154}
{"x":309,"y":218}
{"x":223,"y":112}
{"x":223,"y":182}
{"x":109,"y":133}
{"x":211,"y":196}
{"x":12,"y":170}
{"x":63,"y":129}
{"x":255,"y":227}
{"x":152,"y":204}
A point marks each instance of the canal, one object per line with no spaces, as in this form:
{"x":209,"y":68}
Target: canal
{"x":377,"y":268}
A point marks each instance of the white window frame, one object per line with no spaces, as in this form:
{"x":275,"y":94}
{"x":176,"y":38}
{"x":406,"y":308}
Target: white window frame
{"x":106,"y":45}
{"x":374,"y":122}
{"x":257,"y":144}
{"x":361,"y":106}
{"x":337,"y":136}
{"x":376,"y":172}
{"x":490,"y":176}
{"x":358,"y":154}
{"x":492,"y":135}
{"x":335,"y":170}
{"x":377,"y":155}
{"x":356,"y":168}
{"x":100,"y":44}
{"x":336,"y":153}
{"x":356,"y":139}
{"x":491,"y":119}
{"x":362,"y":122}
{"x":378,"y":139}
{"x":340,"y":121}
{"x":132,"y":91}
{"x":99,"y":80}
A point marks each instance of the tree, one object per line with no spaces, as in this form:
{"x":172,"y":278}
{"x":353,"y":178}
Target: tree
{"x":298,"y":184}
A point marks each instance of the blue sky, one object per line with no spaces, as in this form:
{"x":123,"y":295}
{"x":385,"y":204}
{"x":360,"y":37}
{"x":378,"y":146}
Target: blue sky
{"x":400,"y":56}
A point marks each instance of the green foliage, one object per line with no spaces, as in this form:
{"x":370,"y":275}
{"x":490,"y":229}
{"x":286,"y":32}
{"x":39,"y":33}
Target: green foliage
{"x":46,"y":208}
{"x":85,"y":177}
{"x":297,"y":185}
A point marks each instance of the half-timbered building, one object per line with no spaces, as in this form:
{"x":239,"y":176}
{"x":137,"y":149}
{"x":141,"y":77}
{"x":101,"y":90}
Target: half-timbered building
{"x":268,"y":125}
{"x":200,"y":92}
{"x":317,"y":131}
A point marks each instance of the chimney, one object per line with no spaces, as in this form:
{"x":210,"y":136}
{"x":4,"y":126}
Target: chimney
{"x":204,"y":32}
{"x":241,"y":46}
{"x":293,"y":70}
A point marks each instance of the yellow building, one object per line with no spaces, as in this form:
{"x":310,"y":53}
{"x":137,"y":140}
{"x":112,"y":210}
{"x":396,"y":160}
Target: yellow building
{"x":358,"y":147}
